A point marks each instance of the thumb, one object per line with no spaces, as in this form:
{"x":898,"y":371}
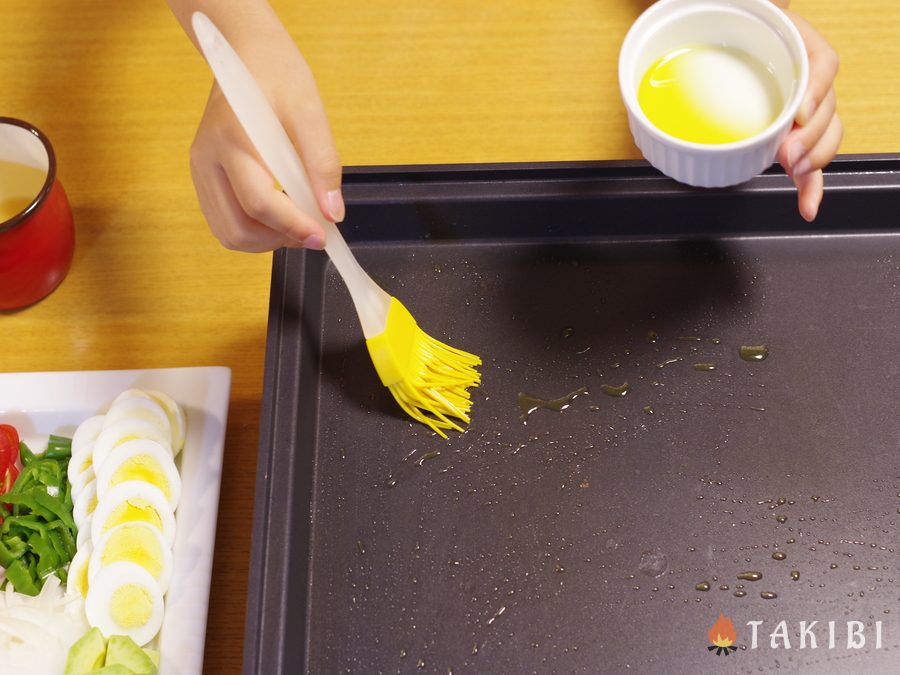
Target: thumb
{"x":324,"y":169}
{"x":310,"y":133}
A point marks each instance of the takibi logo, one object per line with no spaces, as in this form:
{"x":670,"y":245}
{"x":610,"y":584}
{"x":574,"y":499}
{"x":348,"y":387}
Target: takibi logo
{"x":851,"y":634}
{"x":723,"y":636}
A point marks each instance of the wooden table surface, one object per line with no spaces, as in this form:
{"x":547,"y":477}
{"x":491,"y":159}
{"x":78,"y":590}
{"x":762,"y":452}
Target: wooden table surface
{"x":119,"y":90}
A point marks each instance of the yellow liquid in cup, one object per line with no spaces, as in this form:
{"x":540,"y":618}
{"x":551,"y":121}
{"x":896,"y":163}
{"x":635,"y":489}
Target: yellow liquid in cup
{"x":19,"y":185}
{"x":710,"y":94}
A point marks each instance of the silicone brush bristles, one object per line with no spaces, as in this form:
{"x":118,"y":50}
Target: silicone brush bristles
{"x":438,"y":389}
{"x":429,"y":379}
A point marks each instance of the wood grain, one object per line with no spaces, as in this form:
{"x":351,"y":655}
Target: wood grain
{"x":119,"y":90}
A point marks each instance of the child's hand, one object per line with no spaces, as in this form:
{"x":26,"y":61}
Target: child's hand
{"x":817,"y":132}
{"x":245,"y":209}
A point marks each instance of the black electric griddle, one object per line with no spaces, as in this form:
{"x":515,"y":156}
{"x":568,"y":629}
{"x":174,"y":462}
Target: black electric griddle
{"x":582,"y":540}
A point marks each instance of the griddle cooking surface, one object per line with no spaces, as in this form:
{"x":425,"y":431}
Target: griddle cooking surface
{"x":576,"y":542}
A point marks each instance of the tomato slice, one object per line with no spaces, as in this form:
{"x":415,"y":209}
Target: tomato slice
{"x":9,"y":446}
{"x":7,"y":479}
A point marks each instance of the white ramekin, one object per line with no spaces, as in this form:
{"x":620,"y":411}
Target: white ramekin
{"x":756,"y":26}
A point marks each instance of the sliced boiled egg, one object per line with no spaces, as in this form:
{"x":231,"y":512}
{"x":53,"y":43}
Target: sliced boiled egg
{"x":134,"y":392}
{"x":86,"y":433}
{"x":177,"y":418}
{"x":81,"y":481}
{"x":126,"y":430}
{"x":132,"y":501}
{"x":124,"y":599}
{"x":174,"y":412}
{"x":80,"y":461}
{"x":138,"y":543}
{"x":144,"y":460}
{"x":84,"y":535}
{"x":77,"y":576}
{"x":140,"y":408}
{"x":84,"y":505}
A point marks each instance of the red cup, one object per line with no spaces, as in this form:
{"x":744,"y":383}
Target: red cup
{"x":37,"y":234}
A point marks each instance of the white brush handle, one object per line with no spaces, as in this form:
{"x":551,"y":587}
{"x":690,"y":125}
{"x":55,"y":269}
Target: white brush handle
{"x":268,"y":136}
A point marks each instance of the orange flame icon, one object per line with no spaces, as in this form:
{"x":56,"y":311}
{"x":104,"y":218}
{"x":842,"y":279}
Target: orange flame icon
{"x":723,"y":636}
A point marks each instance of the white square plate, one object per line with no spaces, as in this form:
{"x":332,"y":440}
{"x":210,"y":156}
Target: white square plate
{"x":38,"y":404}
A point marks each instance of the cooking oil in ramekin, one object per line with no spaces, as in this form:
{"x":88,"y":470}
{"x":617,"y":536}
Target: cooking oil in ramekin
{"x":710,"y":94}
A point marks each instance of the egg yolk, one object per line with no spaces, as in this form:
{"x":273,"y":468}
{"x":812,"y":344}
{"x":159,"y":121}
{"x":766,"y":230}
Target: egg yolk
{"x":144,"y":468}
{"x":134,"y":510}
{"x":131,"y":606}
{"x":134,"y":544}
{"x":86,"y":464}
{"x":81,"y":580}
{"x":710,"y":94}
{"x":125,"y":439}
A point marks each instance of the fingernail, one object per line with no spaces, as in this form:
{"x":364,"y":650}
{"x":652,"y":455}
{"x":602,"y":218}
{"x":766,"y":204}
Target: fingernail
{"x":795,"y":153}
{"x":335,"y":205}
{"x":809,"y":211}
{"x":314,"y":242}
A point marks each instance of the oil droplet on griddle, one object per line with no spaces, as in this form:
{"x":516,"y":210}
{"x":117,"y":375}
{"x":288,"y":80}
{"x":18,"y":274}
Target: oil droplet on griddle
{"x":768,"y":595}
{"x":750,"y":576}
{"x":781,"y":519}
{"x":390,"y":482}
{"x":652,"y":337}
{"x":648,"y":409}
{"x":611,"y":390}
{"x":779,"y":555}
{"x":795,"y":575}
{"x":702,"y":586}
{"x":567,"y":332}
{"x":361,"y":547}
{"x":528,"y":403}
{"x":689,"y":338}
{"x":705,"y":366}
{"x":740,"y":594}
{"x":497,"y":615}
{"x":754,"y":352}
{"x":669,"y":362}
{"x":428,"y":455}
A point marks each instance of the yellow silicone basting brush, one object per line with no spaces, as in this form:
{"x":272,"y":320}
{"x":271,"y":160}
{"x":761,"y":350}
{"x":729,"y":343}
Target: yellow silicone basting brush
{"x":429,"y":379}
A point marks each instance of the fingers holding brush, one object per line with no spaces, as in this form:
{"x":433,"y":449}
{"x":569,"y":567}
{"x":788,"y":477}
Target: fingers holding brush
{"x":242,"y":203}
